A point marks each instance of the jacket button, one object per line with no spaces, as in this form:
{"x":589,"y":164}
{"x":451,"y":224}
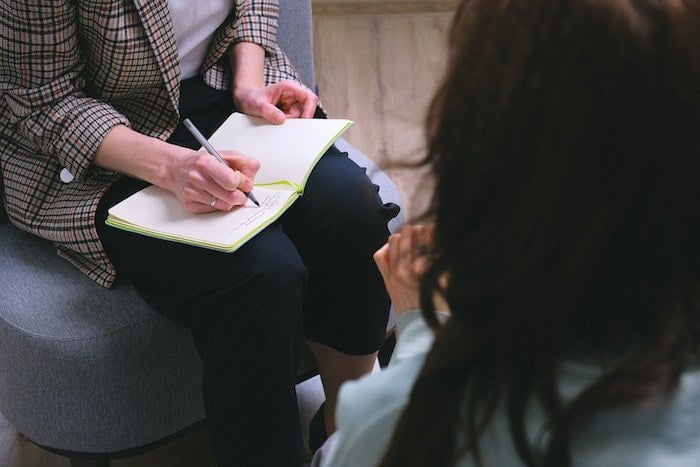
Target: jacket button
{"x":66,"y":176}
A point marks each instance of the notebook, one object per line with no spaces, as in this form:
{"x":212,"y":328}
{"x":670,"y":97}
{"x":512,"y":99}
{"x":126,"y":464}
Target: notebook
{"x":287,"y":155}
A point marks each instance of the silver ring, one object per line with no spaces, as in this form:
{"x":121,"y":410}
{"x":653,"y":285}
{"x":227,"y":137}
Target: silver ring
{"x":421,"y":250}
{"x":213,"y":201}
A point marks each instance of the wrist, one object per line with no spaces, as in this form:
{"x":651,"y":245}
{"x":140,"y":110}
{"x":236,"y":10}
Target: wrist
{"x":239,"y":95}
{"x":173,"y":157}
{"x":248,"y":68}
{"x":128,"y":152}
{"x":242,"y":93}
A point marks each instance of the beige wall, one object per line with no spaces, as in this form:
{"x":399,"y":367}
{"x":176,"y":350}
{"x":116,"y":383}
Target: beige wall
{"x":340,"y":7}
{"x":378,"y":63}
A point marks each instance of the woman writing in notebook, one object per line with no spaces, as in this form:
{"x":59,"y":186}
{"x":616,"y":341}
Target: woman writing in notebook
{"x":92,"y":97}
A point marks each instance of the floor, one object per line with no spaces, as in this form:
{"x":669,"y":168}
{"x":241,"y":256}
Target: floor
{"x":378,"y":63}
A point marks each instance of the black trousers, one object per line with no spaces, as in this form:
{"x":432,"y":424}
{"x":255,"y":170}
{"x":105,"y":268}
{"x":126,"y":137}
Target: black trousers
{"x":311,"y":272}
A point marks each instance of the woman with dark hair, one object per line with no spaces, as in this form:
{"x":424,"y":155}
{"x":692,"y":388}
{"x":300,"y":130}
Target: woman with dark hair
{"x":565,"y":145}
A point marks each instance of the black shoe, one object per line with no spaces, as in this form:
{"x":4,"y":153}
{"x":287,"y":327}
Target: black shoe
{"x":317,"y":430}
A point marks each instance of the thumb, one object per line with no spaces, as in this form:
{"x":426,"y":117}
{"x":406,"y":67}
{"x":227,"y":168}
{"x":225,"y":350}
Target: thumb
{"x":381,"y":258}
{"x":272,"y":114}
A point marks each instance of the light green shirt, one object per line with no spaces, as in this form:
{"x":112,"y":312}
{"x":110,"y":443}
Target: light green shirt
{"x":661,"y":434}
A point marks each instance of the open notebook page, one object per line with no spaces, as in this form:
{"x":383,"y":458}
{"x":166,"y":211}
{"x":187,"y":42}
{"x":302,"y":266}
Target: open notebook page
{"x":286,"y":151}
{"x":158,"y":213}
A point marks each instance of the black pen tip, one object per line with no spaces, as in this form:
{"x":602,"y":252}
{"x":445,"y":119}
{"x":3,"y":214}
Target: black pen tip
{"x":252,"y":197}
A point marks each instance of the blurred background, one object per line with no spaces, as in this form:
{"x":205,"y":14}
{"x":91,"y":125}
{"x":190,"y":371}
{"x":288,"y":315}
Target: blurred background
{"x":378,"y":63}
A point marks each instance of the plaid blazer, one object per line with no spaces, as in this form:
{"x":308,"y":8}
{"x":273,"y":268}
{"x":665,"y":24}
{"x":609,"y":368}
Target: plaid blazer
{"x":70,"y":70}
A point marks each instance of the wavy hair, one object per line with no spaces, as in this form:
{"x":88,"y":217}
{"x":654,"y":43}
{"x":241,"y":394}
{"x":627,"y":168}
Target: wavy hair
{"x":565,"y":145}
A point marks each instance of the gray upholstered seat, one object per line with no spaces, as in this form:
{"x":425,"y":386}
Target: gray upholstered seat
{"x":83,"y":368}
{"x":89,"y":370}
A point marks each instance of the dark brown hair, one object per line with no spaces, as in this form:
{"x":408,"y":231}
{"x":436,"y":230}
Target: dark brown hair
{"x":565,"y":146}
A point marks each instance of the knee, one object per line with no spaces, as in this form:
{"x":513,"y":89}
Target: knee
{"x":265,"y":302}
{"x":275,"y":289}
{"x":280,"y":274}
{"x":277,"y":272}
{"x":349,"y":201}
{"x":362,"y":215}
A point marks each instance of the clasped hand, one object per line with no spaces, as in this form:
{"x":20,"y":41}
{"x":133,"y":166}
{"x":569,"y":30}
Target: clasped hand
{"x":276,"y":102}
{"x":402,"y":263}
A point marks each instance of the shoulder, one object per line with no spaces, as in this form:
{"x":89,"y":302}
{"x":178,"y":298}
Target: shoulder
{"x":661,"y":432}
{"x":367,"y":412}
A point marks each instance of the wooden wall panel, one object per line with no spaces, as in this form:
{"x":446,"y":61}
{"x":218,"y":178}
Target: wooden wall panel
{"x":381,"y":71}
{"x":368,"y":7}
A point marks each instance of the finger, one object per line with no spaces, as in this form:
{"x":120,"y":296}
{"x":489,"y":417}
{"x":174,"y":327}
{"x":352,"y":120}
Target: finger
{"x":226,"y":177}
{"x":422,"y":240}
{"x":422,"y":246}
{"x":393,"y":242}
{"x":272,"y":114}
{"x":381,"y":258}
{"x":405,"y":258}
{"x":306,"y":98}
{"x":424,"y":235}
{"x":217,"y":204}
{"x":194,"y":202}
{"x":199,"y":196}
{"x":294,"y":110}
{"x":418,"y":237}
{"x":227,"y":198}
{"x":310,"y":104}
{"x":298,"y":98}
{"x":248,"y":166}
{"x":221,"y":181}
{"x":246,"y":185}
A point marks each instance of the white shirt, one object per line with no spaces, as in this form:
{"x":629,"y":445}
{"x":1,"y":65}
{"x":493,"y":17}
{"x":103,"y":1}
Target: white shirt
{"x":194,"y":25}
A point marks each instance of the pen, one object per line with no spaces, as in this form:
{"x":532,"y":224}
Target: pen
{"x":210,"y":149}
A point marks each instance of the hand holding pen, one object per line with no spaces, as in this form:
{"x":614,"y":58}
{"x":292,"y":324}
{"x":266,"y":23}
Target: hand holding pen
{"x":202,"y":184}
{"x":210,"y":149}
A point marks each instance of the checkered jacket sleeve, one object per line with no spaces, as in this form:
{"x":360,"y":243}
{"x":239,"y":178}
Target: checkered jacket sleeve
{"x":42,"y":85}
{"x":254,"y":21}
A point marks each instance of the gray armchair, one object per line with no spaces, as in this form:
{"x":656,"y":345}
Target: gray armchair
{"x":97,"y":374}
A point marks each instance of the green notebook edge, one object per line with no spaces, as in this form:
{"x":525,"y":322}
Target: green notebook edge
{"x":115,"y":222}
{"x":331,"y":142}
